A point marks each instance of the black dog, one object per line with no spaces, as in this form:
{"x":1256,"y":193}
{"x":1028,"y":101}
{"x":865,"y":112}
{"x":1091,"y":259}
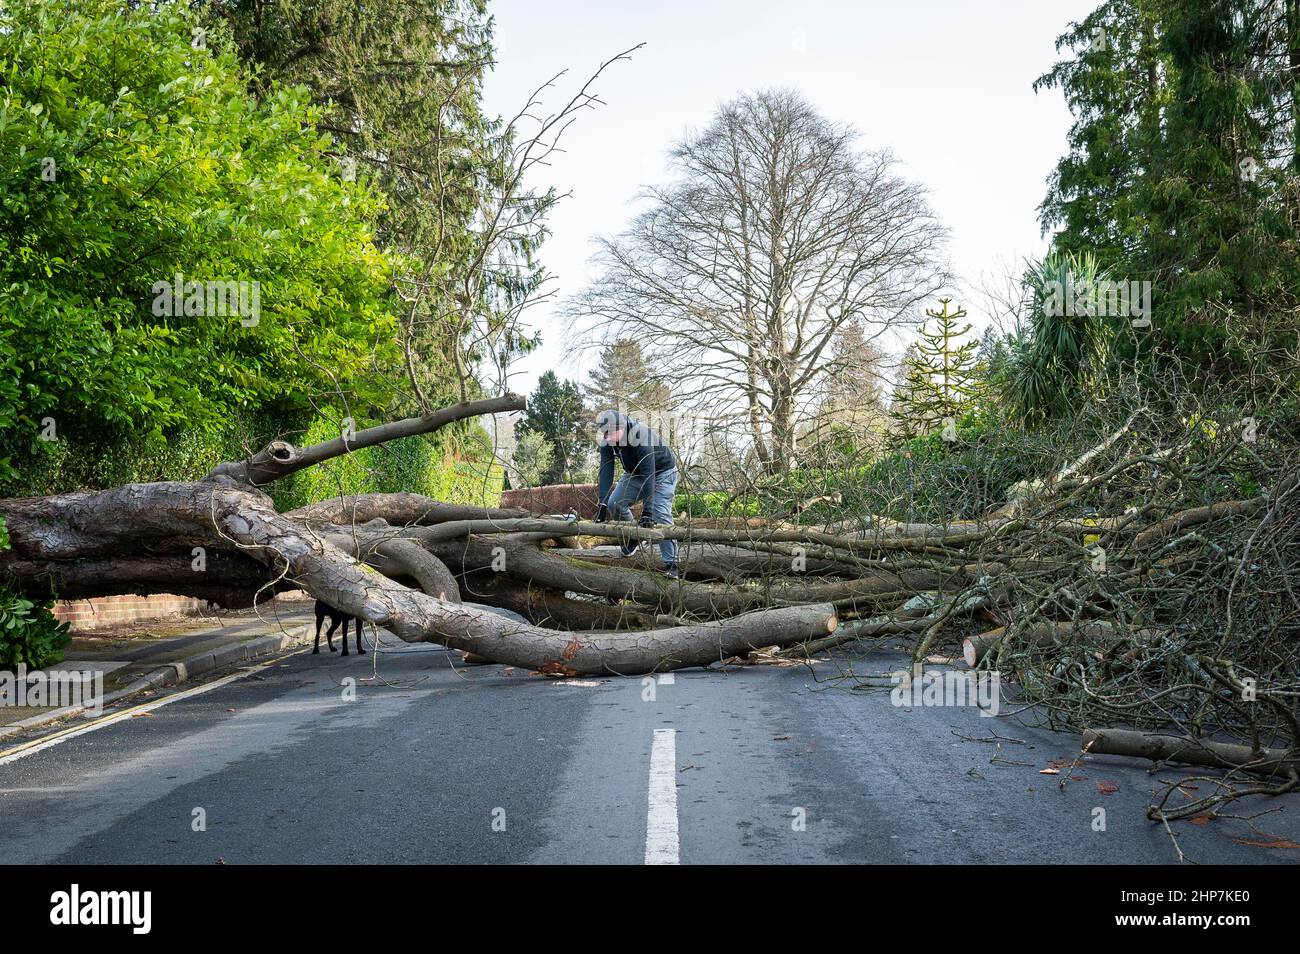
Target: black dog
{"x":336,"y":617}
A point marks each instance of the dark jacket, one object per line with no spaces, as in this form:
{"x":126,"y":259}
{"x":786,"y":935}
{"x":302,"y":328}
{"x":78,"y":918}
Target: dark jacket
{"x":643,"y":454}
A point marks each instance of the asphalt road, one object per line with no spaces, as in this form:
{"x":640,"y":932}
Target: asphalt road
{"x":435,"y":763}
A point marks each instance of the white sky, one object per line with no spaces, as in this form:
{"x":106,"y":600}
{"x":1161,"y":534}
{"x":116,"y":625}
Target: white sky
{"x":943,"y":84}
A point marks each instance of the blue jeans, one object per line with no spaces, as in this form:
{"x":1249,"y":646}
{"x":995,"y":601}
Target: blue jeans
{"x":660,"y":506}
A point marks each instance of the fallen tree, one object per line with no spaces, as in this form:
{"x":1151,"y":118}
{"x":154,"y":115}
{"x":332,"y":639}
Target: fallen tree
{"x":1119,"y":595}
{"x":221,"y":539}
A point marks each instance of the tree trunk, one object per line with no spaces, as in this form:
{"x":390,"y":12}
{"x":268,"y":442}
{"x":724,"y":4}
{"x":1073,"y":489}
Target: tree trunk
{"x":220,"y":538}
{"x":1169,"y":748}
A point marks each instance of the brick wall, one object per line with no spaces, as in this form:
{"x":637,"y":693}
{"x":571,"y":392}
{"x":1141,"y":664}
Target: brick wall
{"x":557,"y":498}
{"x":102,"y":611}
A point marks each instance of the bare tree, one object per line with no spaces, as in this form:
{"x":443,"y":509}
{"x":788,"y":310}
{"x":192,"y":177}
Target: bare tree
{"x":737,"y":277}
{"x":1000,"y":293}
{"x":477,"y":286}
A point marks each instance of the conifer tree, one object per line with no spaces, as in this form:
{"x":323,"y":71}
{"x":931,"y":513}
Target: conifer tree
{"x":623,"y":380}
{"x":555,"y":412}
{"x":940,"y":374}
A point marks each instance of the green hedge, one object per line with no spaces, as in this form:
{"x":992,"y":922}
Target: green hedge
{"x":29,"y":633}
{"x":452,"y":466}
{"x":714,"y":504}
{"x":78,"y":461}
{"x":455,"y":466}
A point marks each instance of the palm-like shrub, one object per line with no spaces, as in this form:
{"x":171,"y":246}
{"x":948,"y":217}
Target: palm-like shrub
{"x":1062,"y":347}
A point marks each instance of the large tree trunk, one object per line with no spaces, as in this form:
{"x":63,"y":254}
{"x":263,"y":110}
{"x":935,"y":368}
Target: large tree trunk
{"x":221,"y":538}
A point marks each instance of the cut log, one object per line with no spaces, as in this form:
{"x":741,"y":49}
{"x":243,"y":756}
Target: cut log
{"x":853,"y":629}
{"x":975,"y":648}
{"x":1173,"y":748}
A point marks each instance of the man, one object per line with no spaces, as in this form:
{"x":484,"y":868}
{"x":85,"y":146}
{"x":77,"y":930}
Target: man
{"x":650,"y":477}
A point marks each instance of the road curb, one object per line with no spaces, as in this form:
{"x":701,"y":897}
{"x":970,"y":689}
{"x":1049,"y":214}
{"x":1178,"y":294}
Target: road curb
{"x":178,"y":671}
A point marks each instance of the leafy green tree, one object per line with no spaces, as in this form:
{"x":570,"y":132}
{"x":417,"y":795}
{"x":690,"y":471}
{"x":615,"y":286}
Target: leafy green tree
{"x":555,"y":412}
{"x":533,"y":460}
{"x":1225,"y":205}
{"x":400,"y":83}
{"x":940,"y":376}
{"x":1112,"y":84}
{"x":136,"y":155}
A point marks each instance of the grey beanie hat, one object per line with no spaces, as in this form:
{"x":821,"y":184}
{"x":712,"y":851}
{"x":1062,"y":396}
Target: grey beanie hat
{"x":610,"y":420}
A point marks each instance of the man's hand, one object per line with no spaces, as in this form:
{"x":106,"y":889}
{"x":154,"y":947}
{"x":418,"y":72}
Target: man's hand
{"x":602,"y":513}
{"x":646,"y":521}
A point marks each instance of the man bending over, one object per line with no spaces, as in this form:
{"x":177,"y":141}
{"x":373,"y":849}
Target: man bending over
{"x":650,"y":476}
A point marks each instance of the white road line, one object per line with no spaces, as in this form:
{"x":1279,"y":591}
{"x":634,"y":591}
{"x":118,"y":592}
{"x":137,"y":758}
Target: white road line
{"x":40,"y":745}
{"x":667,"y":679}
{"x":661,"y":814}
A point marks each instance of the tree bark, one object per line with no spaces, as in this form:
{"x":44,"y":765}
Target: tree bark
{"x":279,"y":459}
{"x":1169,"y":748}
{"x":220,"y":538}
{"x":406,"y":563}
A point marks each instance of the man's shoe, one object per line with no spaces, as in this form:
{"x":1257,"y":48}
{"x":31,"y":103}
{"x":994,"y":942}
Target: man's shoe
{"x":672,"y":570}
{"x":629,"y":547}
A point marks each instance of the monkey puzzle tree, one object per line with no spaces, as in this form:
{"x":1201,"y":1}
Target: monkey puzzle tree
{"x":940,"y":374}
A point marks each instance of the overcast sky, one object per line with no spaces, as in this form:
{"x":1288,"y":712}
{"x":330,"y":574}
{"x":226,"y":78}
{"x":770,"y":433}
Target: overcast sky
{"x":943,"y":84}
